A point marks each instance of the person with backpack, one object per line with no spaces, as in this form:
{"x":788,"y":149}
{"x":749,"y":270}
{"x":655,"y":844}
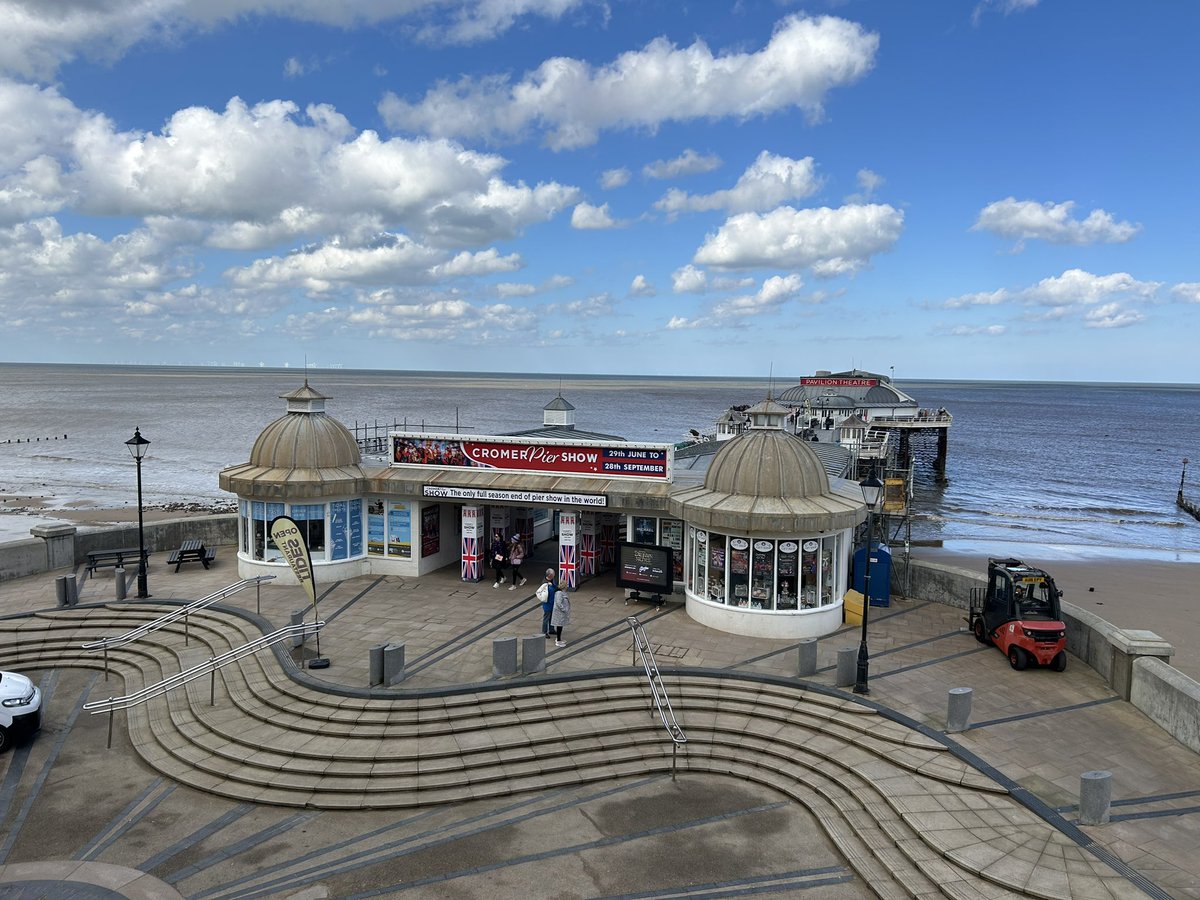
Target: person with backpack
{"x":545,"y":593}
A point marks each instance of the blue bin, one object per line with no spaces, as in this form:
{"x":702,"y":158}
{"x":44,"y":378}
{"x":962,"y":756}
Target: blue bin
{"x":881,"y":574}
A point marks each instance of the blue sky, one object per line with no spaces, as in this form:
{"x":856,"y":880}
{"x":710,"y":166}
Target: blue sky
{"x":1000,"y":189}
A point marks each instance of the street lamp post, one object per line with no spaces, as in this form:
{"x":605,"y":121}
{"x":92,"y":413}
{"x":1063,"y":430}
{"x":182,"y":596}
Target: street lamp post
{"x":137,"y":447}
{"x":872,"y":491}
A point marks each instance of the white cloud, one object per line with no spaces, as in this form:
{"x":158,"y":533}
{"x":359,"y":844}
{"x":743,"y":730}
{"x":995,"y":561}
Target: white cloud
{"x":769,"y":181}
{"x":41,"y":35}
{"x":260,"y":175}
{"x":614,"y":178}
{"x":596,"y":307}
{"x":1189,"y":292}
{"x":509,"y":289}
{"x":689,"y":280}
{"x":293,"y":68}
{"x":1005,"y":7}
{"x":1022,"y":220}
{"x":592,"y":218}
{"x":1112,"y":315}
{"x":827,"y":241}
{"x":973,"y":330}
{"x":640,"y":287}
{"x":774,"y":293}
{"x":678,"y":323}
{"x":1075,"y":287}
{"x":868,"y":184}
{"x":687,"y":163}
{"x":390,"y":259}
{"x":572,"y":101}
{"x":982,"y":298}
{"x":1099,"y":301}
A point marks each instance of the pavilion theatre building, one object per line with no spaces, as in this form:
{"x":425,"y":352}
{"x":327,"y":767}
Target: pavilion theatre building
{"x":761,"y":536}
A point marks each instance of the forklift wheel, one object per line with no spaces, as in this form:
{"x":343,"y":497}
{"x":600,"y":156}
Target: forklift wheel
{"x":1059,"y":663}
{"x":1017,"y":658}
{"x":980,"y":632}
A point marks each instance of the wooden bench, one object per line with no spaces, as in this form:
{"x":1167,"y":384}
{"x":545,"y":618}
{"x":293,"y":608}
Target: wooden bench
{"x":101,"y":559}
{"x":192,"y":551}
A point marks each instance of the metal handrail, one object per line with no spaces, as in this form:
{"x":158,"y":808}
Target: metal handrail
{"x":173,"y":616}
{"x":210,"y":666}
{"x":662,"y":703}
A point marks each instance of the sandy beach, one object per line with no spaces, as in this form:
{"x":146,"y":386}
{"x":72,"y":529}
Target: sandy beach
{"x":1147,"y":594}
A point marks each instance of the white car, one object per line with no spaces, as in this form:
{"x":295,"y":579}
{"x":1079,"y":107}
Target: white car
{"x":20,"y":708}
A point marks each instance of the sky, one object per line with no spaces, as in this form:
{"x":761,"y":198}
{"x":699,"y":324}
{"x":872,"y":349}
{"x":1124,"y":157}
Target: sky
{"x":992,"y":189}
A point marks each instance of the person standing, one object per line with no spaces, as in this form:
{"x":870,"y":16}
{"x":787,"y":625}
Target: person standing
{"x":499,"y":553}
{"x":545,"y":593}
{"x":516,"y":556}
{"x":561,"y":614}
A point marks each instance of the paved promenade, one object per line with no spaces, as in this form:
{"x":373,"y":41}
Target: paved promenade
{"x":559,"y":785}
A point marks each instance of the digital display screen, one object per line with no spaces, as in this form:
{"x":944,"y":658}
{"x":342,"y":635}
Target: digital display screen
{"x":645,"y":567}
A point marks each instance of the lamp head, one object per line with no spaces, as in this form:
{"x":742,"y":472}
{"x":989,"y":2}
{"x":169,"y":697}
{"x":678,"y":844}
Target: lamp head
{"x":137,"y":444}
{"x":872,"y":491}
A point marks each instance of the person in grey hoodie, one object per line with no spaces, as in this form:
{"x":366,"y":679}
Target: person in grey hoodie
{"x":560,"y":616}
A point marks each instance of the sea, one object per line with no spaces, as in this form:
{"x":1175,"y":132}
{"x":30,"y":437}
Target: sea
{"x":1041,"y":469}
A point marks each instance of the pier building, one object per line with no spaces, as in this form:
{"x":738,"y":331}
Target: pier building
{"x":760,"y":536}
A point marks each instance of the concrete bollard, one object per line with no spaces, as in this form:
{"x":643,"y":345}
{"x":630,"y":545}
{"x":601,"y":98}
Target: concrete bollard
{"x":1095,"y":797}
{"x":958,"y":711}
{"x":806,"y":657}
{"x":847,"y":666}
{"x":375,"y":665}
{"x":72,"y":590}
{"x":504,"y":657}
{"x":122,"y":587}
{"x":533,"y":655}
{"x":299,"y":636}
{"x":393,"y":664}
{"x":61,"y":592}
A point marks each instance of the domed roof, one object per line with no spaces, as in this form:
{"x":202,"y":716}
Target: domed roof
{"x":767,"y":463}
{"x":767,"y":481}
{"x":302,"y":454}
{"x":305,"y":441}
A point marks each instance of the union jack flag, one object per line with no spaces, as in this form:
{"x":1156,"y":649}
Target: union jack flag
{"x":588,"y":555}
{"x":471,"y":558}
{"x":608,"y":544}
{"x":566,"y":564}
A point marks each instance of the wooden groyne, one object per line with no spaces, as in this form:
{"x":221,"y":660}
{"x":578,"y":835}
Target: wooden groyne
{"x":1192,"y":509}
{"x":32,"y":440}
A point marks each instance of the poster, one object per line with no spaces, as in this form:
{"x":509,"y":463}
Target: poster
{"x":399,"y":529}
{"x":339,"y":547}
{"x":431,"y":531}
{"x":356,"y":533}
{"x":376,"y":532}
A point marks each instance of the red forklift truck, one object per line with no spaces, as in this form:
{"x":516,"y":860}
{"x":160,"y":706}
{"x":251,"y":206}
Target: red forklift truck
{"x":1019,"y":612}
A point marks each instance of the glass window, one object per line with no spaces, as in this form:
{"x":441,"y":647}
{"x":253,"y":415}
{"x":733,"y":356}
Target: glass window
{"x":762,"y":579}
{"x":261,"y":515}
{"x":376,"y":529}
{"x":700,"y":556}
{"x":672,"y":536}
{"x":716,"y":568}
{"x":739,"y":571}
{"x":310,"y":519}
{"x":788,"y":569}
{"x":828,"y":548}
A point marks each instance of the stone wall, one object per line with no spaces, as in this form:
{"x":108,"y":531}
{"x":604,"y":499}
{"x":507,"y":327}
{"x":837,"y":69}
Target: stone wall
{"x":63,"y":548}
{"x":1134,"y":663}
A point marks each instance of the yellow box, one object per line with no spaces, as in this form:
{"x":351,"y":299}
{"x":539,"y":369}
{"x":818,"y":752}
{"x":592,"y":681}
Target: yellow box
{"x":852,"y":608}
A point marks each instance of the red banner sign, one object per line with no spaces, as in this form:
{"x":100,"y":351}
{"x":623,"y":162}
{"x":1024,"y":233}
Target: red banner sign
{"x":565,"y":458}
{"x":839,"y":382}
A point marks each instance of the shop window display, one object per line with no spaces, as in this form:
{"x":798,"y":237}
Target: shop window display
{"x":785,"y":575}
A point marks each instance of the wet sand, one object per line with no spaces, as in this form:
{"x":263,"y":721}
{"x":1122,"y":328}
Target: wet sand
{"x":1148,"y":594}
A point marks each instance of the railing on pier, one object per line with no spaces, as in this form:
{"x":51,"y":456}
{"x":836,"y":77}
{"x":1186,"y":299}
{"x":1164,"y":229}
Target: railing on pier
{"x":210,"y":666}
{"x":662,"y":703}
{"x":372,"y":437}
{"x":182,"y":612}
